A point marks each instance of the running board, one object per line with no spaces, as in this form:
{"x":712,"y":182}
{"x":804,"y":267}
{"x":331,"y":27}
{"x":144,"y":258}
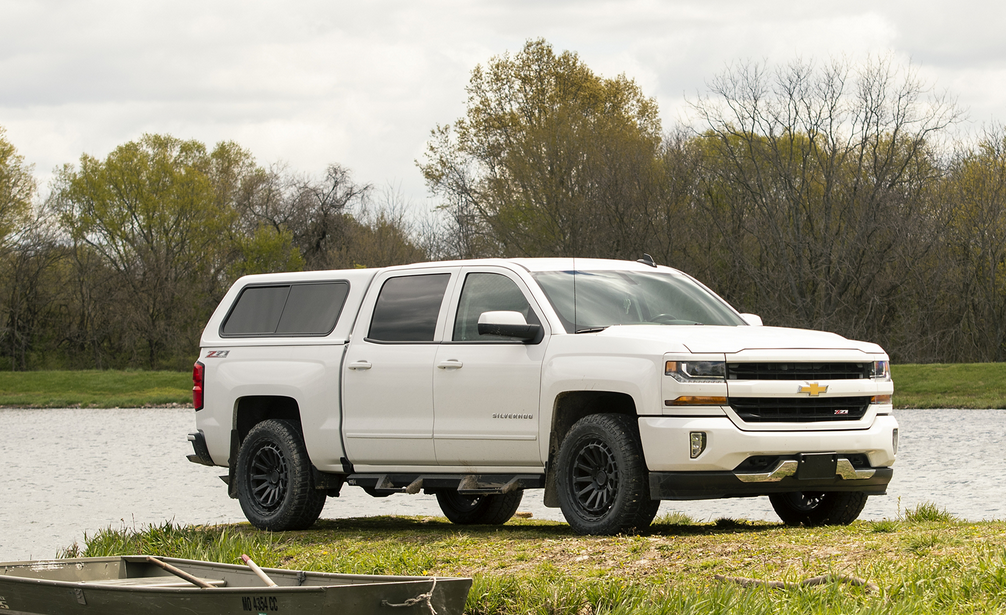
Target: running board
{"x":466,"y":484}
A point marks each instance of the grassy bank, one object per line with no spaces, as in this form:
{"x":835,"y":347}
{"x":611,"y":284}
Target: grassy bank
{"x":923,"y":562}
{"x":92,"y":388}
{"x":950,"y":385}
{"x":973,"y":385}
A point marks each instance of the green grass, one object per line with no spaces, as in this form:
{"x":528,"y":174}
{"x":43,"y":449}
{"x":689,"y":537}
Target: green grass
{"x":97,"y":389}
{"x":971,"y":385}
{"x":957,"y":385}
{"x":529,"y":566}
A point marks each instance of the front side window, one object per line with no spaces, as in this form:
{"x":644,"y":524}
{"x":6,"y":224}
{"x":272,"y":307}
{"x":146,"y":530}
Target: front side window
{"x":408,"y":307}
{"x":592,"y":300}
{"x":488,"y":292}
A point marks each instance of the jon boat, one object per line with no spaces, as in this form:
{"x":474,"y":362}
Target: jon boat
{"x":136,"y":584}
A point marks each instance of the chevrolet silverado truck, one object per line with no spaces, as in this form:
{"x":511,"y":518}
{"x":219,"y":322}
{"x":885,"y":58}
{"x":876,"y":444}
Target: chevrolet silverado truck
{"x":610,"y":385}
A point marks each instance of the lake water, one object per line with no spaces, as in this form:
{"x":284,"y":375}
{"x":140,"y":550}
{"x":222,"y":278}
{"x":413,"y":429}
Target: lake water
{"x":68,"y":472}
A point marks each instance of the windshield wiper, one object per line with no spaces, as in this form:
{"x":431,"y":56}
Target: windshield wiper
{"x":592,"y":329}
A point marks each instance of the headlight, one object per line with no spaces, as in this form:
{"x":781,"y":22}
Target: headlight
{"x":881,"y":370}
{"x":696,"y":371}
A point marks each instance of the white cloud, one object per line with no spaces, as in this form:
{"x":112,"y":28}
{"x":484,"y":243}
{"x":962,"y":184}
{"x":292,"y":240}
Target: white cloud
{"x":362,"y":83}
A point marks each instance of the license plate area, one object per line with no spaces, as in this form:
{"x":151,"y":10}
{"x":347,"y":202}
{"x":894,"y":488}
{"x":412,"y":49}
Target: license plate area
{"x":814,"y":466}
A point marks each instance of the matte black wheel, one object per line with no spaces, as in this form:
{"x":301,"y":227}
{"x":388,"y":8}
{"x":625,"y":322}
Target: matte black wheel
{"x":479,"y":509}
{"x":810,"y":508}
{"x":601,"y":477}
{"x":275,"y":486}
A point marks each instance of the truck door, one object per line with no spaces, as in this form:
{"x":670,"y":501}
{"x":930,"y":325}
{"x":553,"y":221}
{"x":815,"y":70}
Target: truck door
{"x":388,"y":374}
{"x":486,"y":388}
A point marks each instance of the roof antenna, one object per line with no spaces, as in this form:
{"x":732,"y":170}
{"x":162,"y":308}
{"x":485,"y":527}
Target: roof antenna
{"x":647,"y":260}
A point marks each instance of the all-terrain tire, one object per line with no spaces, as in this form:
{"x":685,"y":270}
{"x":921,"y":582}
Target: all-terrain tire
{"x":275,"y":485}
{"x":603,"y":486}
{"x":493,"y":509}
{"x":810,"y":508}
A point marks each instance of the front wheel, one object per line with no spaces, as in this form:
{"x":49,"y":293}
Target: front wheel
{"x":479,"y":509}
{"x":275,"y":487}
{"x":601,"y":477}
{"x":810,"y":508}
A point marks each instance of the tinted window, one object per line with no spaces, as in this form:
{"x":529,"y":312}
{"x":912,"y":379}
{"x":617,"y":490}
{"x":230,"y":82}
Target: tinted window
{"x":488,"y":292}
{"x":288,"y":310}
{"x":408,"y":307}
{"x":257,"y":311}
{"x":312,"y":309}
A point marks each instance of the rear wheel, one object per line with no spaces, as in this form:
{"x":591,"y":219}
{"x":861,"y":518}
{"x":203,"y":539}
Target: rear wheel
{"x":275,"y":487}
{"x":601,"y":477}
{"x":810,"y":508}
{"x":493,"y":509}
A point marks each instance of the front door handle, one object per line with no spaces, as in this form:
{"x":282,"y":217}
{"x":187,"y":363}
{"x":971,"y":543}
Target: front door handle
{"x":360,"y":365}
{"x":450,"y":364}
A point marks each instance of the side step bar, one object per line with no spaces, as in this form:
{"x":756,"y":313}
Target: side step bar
{"x":466,"y":484}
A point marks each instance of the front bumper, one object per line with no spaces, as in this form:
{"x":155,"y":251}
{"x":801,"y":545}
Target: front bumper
{"x":713,"y":485}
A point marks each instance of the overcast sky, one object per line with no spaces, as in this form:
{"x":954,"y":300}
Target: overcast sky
{"x":362,"y":83}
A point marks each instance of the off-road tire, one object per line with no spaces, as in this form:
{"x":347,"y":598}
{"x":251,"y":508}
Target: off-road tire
{"x":810,"y":508}
{"x":275,"y":485}
{"x":601,"y":476}
{"x":479,"y":509}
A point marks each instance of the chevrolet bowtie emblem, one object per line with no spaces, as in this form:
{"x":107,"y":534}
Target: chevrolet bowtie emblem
{"x":814,"y":389}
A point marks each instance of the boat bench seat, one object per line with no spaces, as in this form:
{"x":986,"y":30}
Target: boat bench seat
{"x":167,"y":582}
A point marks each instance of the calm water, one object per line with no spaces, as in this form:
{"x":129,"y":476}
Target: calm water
{"x":74,"y":471}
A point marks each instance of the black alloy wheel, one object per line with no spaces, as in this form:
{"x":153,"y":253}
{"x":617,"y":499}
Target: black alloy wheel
{"x":275,"y":483}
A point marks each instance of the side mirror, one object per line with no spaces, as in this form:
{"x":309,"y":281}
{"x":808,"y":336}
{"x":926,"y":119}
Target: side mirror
{"x":507,"y":324}
{"x":752,"y":319}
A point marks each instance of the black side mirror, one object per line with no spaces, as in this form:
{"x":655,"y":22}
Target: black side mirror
{"x":507,"y":324}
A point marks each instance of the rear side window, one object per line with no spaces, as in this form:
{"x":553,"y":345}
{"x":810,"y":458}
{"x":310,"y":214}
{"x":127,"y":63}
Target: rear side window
{"x":286,"y":310}
{"x":408,"y":307}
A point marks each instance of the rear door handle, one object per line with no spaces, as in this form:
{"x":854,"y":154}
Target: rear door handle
{"x":360,"y":365}
{"x":450,"y":364}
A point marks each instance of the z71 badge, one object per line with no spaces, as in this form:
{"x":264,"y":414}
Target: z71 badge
{"x":217,"y":354}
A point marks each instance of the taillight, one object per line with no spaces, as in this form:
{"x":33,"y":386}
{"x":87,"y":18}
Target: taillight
{"x":198,"y":370}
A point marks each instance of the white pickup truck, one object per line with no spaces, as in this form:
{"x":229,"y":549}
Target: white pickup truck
{"x":611,"y":385}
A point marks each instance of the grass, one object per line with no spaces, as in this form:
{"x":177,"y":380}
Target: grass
{"x":529,"y":566}
{"x":972,"y":385}
{"x":950,"y":385}
{"x":96,"y":389}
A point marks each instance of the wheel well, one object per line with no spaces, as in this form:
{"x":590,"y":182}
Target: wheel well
{"x":569,"y":408}
{"x":251,"y":411}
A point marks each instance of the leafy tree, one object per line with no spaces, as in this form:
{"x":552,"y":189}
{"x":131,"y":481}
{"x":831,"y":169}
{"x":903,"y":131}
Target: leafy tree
{"x":17,"y":190}
{"x":151,"y":213}
{"x":550,"y":159}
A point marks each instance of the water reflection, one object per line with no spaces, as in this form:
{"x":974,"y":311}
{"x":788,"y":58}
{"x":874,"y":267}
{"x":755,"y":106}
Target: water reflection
{"x":75,"y":471}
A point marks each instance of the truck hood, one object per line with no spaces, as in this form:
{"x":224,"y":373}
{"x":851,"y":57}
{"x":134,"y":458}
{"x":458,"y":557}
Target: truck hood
{"x":732,"y":340}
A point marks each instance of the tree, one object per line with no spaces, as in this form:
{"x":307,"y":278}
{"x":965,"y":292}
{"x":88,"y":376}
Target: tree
{"x":818,"y":181}
{"x":974,"y":197}
{"x":314,"y":214}
{"x":149,"y":212}
{"x":550,"y":159}
{"x":17,"y":190}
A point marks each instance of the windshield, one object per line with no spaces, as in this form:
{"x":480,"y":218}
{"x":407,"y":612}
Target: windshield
{"x":605,"y":298}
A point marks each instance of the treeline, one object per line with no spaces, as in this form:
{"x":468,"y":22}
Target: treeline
{"x":124,"y":261}
{"x":832,"y":197}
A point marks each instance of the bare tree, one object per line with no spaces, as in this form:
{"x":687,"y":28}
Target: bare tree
{"x":815,"y":178}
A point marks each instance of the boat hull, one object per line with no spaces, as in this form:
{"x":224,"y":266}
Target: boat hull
{"x":128,"y":585}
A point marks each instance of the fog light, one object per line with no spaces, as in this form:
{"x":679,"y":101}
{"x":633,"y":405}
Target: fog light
{"x":894,"y":441}
{"x":698,"y":443}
